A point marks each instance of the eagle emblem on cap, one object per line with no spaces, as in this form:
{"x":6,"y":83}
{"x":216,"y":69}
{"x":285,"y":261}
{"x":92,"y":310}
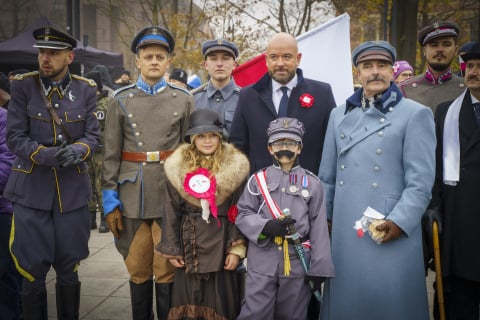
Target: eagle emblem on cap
{"x":436,"y":25}
{"x":154,"y":31}
{"x":220,"y":41}
{"x":286,"y":124}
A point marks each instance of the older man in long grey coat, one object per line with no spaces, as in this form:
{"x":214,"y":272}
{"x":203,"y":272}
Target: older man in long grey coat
{"x":380,"y":153}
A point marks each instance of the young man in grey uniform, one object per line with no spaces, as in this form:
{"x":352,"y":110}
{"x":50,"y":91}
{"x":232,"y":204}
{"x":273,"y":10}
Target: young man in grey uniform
{"x":221,"y":93}
{"x":438,"y":83}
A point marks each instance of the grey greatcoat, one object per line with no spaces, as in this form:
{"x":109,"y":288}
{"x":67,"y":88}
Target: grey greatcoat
{"x":269,"y":294}
{"x":138,"y":122}
{"x":385,"y":160}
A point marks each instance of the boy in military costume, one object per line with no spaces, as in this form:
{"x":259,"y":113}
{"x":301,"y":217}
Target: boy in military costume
{"x":145,"y":122}
{"x":52,"y":129}
{"x":276,"y":284}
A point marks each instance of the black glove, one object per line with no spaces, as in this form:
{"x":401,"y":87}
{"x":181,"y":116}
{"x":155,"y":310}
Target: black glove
{"x":66,"y":156}
{"x":316,"y":282}
{"x":277,"y":228}
{"x":431,"y":215}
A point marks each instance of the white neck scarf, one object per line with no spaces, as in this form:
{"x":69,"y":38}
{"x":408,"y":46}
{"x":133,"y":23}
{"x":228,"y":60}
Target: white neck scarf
{"x":451,"y":143}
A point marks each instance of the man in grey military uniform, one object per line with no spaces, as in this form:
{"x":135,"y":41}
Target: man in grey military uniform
{"x":145,"y":122}
{"x":221,"y":93}
{"x":438,"y":83}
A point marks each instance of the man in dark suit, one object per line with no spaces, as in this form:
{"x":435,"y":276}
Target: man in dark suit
{"x":53,"y":131}
{"x":308,"y":100}
{"x":456,"y":192}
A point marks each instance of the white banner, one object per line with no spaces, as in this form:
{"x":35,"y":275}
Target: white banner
{"x":326,"y":56}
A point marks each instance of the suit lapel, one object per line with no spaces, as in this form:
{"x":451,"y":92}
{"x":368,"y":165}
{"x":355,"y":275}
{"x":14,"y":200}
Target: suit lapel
{"x":266,"y":96}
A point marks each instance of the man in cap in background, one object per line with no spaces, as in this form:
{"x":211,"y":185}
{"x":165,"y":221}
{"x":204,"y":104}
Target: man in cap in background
{"x":221,"y":92}
{"x":466,"y":47}
{"x":145,"y":122}
{"x":52,"y":129}
{"x":456,"y":193}
{"x":123,"y":80}
{"x":179,"y":77}
{"x":437,"y":84}
{"x":395,"y":140}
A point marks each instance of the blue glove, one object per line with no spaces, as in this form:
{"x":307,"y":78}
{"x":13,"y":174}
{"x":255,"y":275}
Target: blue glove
{"x":110,"y":201}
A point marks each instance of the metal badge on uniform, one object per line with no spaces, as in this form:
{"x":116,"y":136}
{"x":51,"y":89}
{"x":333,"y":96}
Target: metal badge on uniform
{"x":293,"y":183}
{"x":305,"y":183}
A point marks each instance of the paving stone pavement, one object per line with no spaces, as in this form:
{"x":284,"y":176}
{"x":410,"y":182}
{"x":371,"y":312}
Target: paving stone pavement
{"x":105,"y":293}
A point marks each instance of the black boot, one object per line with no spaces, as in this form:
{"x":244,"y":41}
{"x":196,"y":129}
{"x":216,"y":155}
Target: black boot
{"x":93,"y":220}
{"x":68,"y":302}
{"x":35,"y":306}
{"x":142,"y":299}
{"x":163,"y":297}
{"x":103,"y":224}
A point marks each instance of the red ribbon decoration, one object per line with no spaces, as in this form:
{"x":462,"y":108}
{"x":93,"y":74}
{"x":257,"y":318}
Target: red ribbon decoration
{"x":306,"y":100}
{"x":202,"y":185}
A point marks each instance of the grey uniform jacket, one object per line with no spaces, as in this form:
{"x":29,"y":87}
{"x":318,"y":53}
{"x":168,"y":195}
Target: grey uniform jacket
{"x":224,"y":101}
{"x":431,"y":95}
{"x":138,"y":122}
{"x":307,"y":208}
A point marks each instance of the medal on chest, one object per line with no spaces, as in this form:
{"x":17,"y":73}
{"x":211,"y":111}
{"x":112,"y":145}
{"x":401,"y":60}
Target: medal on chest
{"x":202,"y":185}
{"x":305,"y":183}
{"x":293,"y":183}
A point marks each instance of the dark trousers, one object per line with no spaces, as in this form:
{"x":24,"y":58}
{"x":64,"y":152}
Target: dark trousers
{"x":462,"y":299}
{"x":10,"y":279}
{"x":46,"y":239}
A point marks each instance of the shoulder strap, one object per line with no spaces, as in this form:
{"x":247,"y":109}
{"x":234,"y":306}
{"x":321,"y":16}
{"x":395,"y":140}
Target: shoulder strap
{"x":261,"y":178}
{"x":55,"y":116}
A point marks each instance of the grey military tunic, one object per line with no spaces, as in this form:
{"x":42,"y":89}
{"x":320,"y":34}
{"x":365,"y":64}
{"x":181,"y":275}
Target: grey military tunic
{"x":301,"y":192}
{"x":138,"y":122}
{"x":224,"y":101}
{"x":431,"y":95}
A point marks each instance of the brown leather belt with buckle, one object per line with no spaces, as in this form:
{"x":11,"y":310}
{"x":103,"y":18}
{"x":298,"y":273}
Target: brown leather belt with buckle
{"x":150,"y":156}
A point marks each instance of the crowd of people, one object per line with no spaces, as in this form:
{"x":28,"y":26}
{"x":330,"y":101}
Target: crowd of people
{"x":272,"y":201}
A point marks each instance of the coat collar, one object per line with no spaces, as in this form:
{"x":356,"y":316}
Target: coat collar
{"x":49,"y":87}
{"x":226,"y":91}
{"x":389,"y":99}
{"x":234,"y":170}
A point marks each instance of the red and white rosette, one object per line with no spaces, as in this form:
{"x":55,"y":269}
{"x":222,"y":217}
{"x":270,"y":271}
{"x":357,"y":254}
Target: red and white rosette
{"x":202,"y":185}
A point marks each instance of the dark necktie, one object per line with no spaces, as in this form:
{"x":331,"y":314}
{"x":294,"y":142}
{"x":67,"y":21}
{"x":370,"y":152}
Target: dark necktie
{"x":282,"y":109}
{"x":476,"y":109}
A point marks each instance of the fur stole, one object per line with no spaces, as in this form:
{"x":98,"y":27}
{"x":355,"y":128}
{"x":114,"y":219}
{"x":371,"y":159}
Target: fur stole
{"x":234,"y":168}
